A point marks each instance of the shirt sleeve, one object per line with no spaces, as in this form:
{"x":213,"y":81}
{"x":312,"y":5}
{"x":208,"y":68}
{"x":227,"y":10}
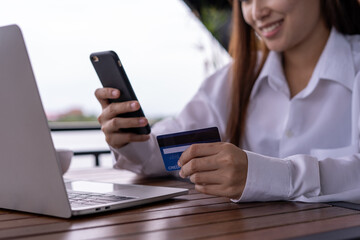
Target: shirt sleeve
{"x":302,"y":178}
{"x":208,"y":108}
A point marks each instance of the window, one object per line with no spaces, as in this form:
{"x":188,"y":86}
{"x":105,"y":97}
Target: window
{"x":165,"y":49}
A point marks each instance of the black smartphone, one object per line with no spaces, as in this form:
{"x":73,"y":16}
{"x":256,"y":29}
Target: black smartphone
{"x":112,"y":74}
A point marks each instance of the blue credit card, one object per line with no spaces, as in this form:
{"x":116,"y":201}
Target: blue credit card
{"x":173,"y":145}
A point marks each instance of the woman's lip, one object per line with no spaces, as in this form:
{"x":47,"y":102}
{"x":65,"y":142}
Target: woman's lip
{"x":269,"y":24}
{"x":270,"y":30}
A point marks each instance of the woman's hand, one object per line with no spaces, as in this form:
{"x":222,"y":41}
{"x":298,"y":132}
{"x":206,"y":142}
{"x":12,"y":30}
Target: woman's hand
{"x":111,"y":124}
{"x":215,"y":168}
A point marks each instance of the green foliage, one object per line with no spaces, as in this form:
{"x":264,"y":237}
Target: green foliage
{"x":77,"y":118}
{"x":215,"y":15}
{"x":214,"y":19}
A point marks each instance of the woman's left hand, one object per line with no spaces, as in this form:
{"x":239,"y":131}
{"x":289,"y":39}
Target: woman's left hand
{"x":215,"y":168}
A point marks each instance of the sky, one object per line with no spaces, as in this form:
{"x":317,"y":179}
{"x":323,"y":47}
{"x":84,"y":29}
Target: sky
{"x":164,"y":48}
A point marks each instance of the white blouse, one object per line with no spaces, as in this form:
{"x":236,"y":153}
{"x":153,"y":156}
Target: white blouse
{"x":304,"y":148}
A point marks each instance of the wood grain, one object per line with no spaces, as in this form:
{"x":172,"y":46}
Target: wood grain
{"x":297,"y":230}
{"x":191,"y":216}
{"x":203,"y":224}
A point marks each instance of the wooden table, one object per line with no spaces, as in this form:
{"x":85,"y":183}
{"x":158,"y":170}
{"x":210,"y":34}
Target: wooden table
{"x":186,"y":217}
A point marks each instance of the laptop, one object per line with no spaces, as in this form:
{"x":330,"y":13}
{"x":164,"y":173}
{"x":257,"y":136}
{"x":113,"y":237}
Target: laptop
{"x":30,"y":174}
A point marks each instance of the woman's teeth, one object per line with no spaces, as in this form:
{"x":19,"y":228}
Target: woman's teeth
{"x":271,"y":27}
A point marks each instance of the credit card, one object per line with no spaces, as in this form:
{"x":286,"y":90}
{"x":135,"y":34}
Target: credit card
{"x":173,"y":145}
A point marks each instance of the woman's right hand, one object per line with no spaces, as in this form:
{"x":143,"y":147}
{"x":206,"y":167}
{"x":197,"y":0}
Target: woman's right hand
{"x":111,"y":124}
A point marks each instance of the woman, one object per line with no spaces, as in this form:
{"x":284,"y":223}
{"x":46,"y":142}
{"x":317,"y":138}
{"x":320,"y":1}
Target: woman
{"x":287,"y":106}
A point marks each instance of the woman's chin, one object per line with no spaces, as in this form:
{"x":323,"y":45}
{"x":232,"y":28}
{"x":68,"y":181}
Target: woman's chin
{"x":276,"y":45}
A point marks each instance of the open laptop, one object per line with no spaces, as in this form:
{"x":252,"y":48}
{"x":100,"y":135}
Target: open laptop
{"x":30,"y":175}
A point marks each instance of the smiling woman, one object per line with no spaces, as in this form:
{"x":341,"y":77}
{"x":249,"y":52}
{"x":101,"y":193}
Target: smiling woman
{"x":160,"y":42}
{"x":287,"y":109}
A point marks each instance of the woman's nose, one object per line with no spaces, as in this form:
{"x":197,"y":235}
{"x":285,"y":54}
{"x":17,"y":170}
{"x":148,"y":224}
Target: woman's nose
{"x":260,"y":9}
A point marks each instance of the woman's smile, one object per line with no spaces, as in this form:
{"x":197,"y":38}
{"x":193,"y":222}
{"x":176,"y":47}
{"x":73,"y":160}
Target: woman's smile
{"x":271,"y":29}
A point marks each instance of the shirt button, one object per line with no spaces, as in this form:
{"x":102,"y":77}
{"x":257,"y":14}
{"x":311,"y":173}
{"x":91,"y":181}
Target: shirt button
{"x":289,"y":133}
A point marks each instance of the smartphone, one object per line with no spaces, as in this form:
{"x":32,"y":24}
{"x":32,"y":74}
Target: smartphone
{"x":112,"y":74}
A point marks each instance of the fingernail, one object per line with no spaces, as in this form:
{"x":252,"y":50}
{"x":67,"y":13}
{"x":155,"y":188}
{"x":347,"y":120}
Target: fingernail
{"x":133,"y":105}
{"x":179,"y":163}
{"x":180,"y":174}
{"x":114,"y":93}
{"x":142,"y":121}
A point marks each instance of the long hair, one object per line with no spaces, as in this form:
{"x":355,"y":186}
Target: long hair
{"x":249,"y":55}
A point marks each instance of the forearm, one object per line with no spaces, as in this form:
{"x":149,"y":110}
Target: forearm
{"x":142,"y":158}
{"x":302,"y":178}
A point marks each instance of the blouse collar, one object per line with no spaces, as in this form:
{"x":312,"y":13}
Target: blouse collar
{"x":335,"y":64}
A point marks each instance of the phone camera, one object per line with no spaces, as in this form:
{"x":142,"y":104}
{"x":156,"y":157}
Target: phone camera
{"x":95,"y":58}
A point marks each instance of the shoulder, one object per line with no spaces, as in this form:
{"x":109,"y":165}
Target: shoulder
{"x":215,"y":91}
{"x":354,"y":43}
{"x":218,"y":81}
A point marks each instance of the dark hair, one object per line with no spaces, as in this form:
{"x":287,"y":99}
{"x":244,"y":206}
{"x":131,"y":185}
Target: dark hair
{"x":344,"y":15}
{"x":245,"y":47}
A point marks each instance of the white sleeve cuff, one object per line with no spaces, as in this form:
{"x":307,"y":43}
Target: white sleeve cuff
{"x":143,"y":158}
{"x":268,"y":179}
{"x":122,"y":162}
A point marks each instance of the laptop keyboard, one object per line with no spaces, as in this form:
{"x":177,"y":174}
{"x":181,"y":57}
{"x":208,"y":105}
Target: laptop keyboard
{"x":83,"y":199}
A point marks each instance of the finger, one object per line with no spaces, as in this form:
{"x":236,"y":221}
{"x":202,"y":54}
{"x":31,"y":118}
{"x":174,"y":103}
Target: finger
{"x":117,"y":140}
{"x":205,"y":178}
{"x":115,"y":109}
{"x":198,"y":150}
{"x":115,"y":124}
{"x":199,"y":165}
{"x":104,"y":94}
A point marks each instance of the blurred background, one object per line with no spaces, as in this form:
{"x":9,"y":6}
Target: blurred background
{"x":168,"y":47}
